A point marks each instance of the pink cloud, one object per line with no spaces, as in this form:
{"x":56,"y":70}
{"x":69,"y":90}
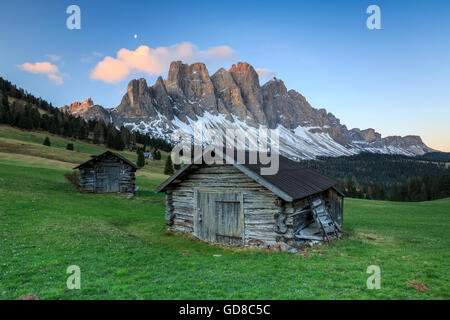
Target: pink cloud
{"x":156,"y":61}
{"x":56,"y":78}
{"x":110,"y":70}
{"x":265,"y":74}
{"x":43,"y":68}
{"x":39,"y":67}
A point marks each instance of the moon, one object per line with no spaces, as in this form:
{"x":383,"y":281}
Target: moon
{"x":135,"y":36}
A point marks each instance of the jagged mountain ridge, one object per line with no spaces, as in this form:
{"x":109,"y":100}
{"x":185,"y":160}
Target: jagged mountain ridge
{"x":235,"y":99}
{"x":87,"y":110}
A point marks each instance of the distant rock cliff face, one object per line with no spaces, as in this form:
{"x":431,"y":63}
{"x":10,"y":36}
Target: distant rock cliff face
{"x":235,"y":99}
{"x":87,"y":110}
{"x":78,"y":107}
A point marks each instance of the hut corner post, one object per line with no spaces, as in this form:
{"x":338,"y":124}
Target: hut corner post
{"x":280,"y":217}
{"x":170,"y":215}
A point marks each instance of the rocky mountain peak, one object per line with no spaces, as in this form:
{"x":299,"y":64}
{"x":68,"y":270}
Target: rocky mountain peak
{"x":368,"y":135}
{"x":137,"y":87}
{"x":275,"y":86}
{"x":241,"y":67}
{"x":247,"y":80}
{"x":88,"y":102}
{"x":87,"y":109}
{"x":137,"y":102}
{"x":244,"y":74}
{"x":78,"y":107}
{"x":161,"y":99}
{"x":191,"y":90}
{"x":234,"y":98}
{"x":177,"y":71}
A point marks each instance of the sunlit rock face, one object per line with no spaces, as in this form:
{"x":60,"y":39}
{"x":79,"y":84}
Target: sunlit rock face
{"x":235,"y":98}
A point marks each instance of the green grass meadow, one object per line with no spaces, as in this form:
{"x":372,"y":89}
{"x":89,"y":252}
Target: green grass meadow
{"x":124,"y":251}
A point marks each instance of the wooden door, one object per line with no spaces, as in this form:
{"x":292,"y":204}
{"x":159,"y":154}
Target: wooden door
{"x":100,"y":180}
{"x":218,"y":217}
{"x":113,"y":174}
{"x":107,"y":179}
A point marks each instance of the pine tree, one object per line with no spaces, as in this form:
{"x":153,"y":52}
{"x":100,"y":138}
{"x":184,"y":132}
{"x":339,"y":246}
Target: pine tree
{"x":381,"y":193}
{"x":5,"y":99}
{"x":140,"y":159}
{"x":395,"y":194}
{"x":53,"y":126}
{"x":69,"y":146}
{"x":168,"y":169}
{"x":27,"y":121}
{"x":435,"y":190}
{"x":36,"y":118}
{"x":110,"y":140}
{"x":45,"y":122}
{"x":82,"y":133}
{"x":47,"y":142}
{"x":157,"y":155}
{"x":118,"y":142}
{"x":423,"y":193}
{"x":444,"y":186}
{"x":8,"y":117}
{"x":17,"y":119}
{"x":98,"y":133}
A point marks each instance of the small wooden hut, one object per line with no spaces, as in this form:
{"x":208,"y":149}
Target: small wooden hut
{"x":233,"y":204}
{"x":108,"y":172}
{"x":148,"y":155}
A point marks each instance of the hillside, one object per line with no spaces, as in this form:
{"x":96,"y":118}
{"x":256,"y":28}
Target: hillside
{"x":124,"y":251}
{"x":26,"y":145}
{"x":23,"y":110}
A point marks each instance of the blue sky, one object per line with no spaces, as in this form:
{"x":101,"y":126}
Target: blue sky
{"x":396,"y":80}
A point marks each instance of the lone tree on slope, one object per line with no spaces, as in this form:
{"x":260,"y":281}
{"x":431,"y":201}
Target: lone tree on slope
{"x":47,"y":142}
{"x":168,"y":169}
{"x":140,"y":159}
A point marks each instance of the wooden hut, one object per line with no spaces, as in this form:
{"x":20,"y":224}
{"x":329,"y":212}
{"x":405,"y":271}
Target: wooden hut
{"x":108,"y":172}
{"x":233,"y":204}
{"x":148,"y":155}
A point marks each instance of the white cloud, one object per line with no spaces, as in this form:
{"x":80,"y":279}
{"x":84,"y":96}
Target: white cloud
{"x":156,"y":61}
{"x":92,"y":57}
{"x":46,"y":68}
{"x":53,"y":57}
{"x":265,"y":74}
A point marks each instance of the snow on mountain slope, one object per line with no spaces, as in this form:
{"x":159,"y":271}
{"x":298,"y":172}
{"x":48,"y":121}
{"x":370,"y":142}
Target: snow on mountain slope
{"x":234,"y":99}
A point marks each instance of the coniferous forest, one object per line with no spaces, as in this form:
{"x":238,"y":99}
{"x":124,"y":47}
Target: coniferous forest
{"x":25,"y":111}
{"x":388,"y":177}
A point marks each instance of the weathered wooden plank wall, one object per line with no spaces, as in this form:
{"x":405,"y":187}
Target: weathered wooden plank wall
{"x":260,"y":206}
{"x":258,"y":203}
{"x":96,"y":178}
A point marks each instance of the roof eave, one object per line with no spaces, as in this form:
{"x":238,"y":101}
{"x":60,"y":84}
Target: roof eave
{"x":94,"y":158}
{"x":257,"y":178}
{"x":166,"y":183}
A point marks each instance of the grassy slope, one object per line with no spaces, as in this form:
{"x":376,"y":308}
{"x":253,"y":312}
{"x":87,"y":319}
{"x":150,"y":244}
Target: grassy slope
{"x":30,"y":143}
{"x":124,"y":251}
{"x":37,"y":137}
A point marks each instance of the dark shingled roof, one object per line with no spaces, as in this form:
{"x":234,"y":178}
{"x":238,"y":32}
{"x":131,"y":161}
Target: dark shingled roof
{"x":292,"y":181}
{"x":96,"y":158}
